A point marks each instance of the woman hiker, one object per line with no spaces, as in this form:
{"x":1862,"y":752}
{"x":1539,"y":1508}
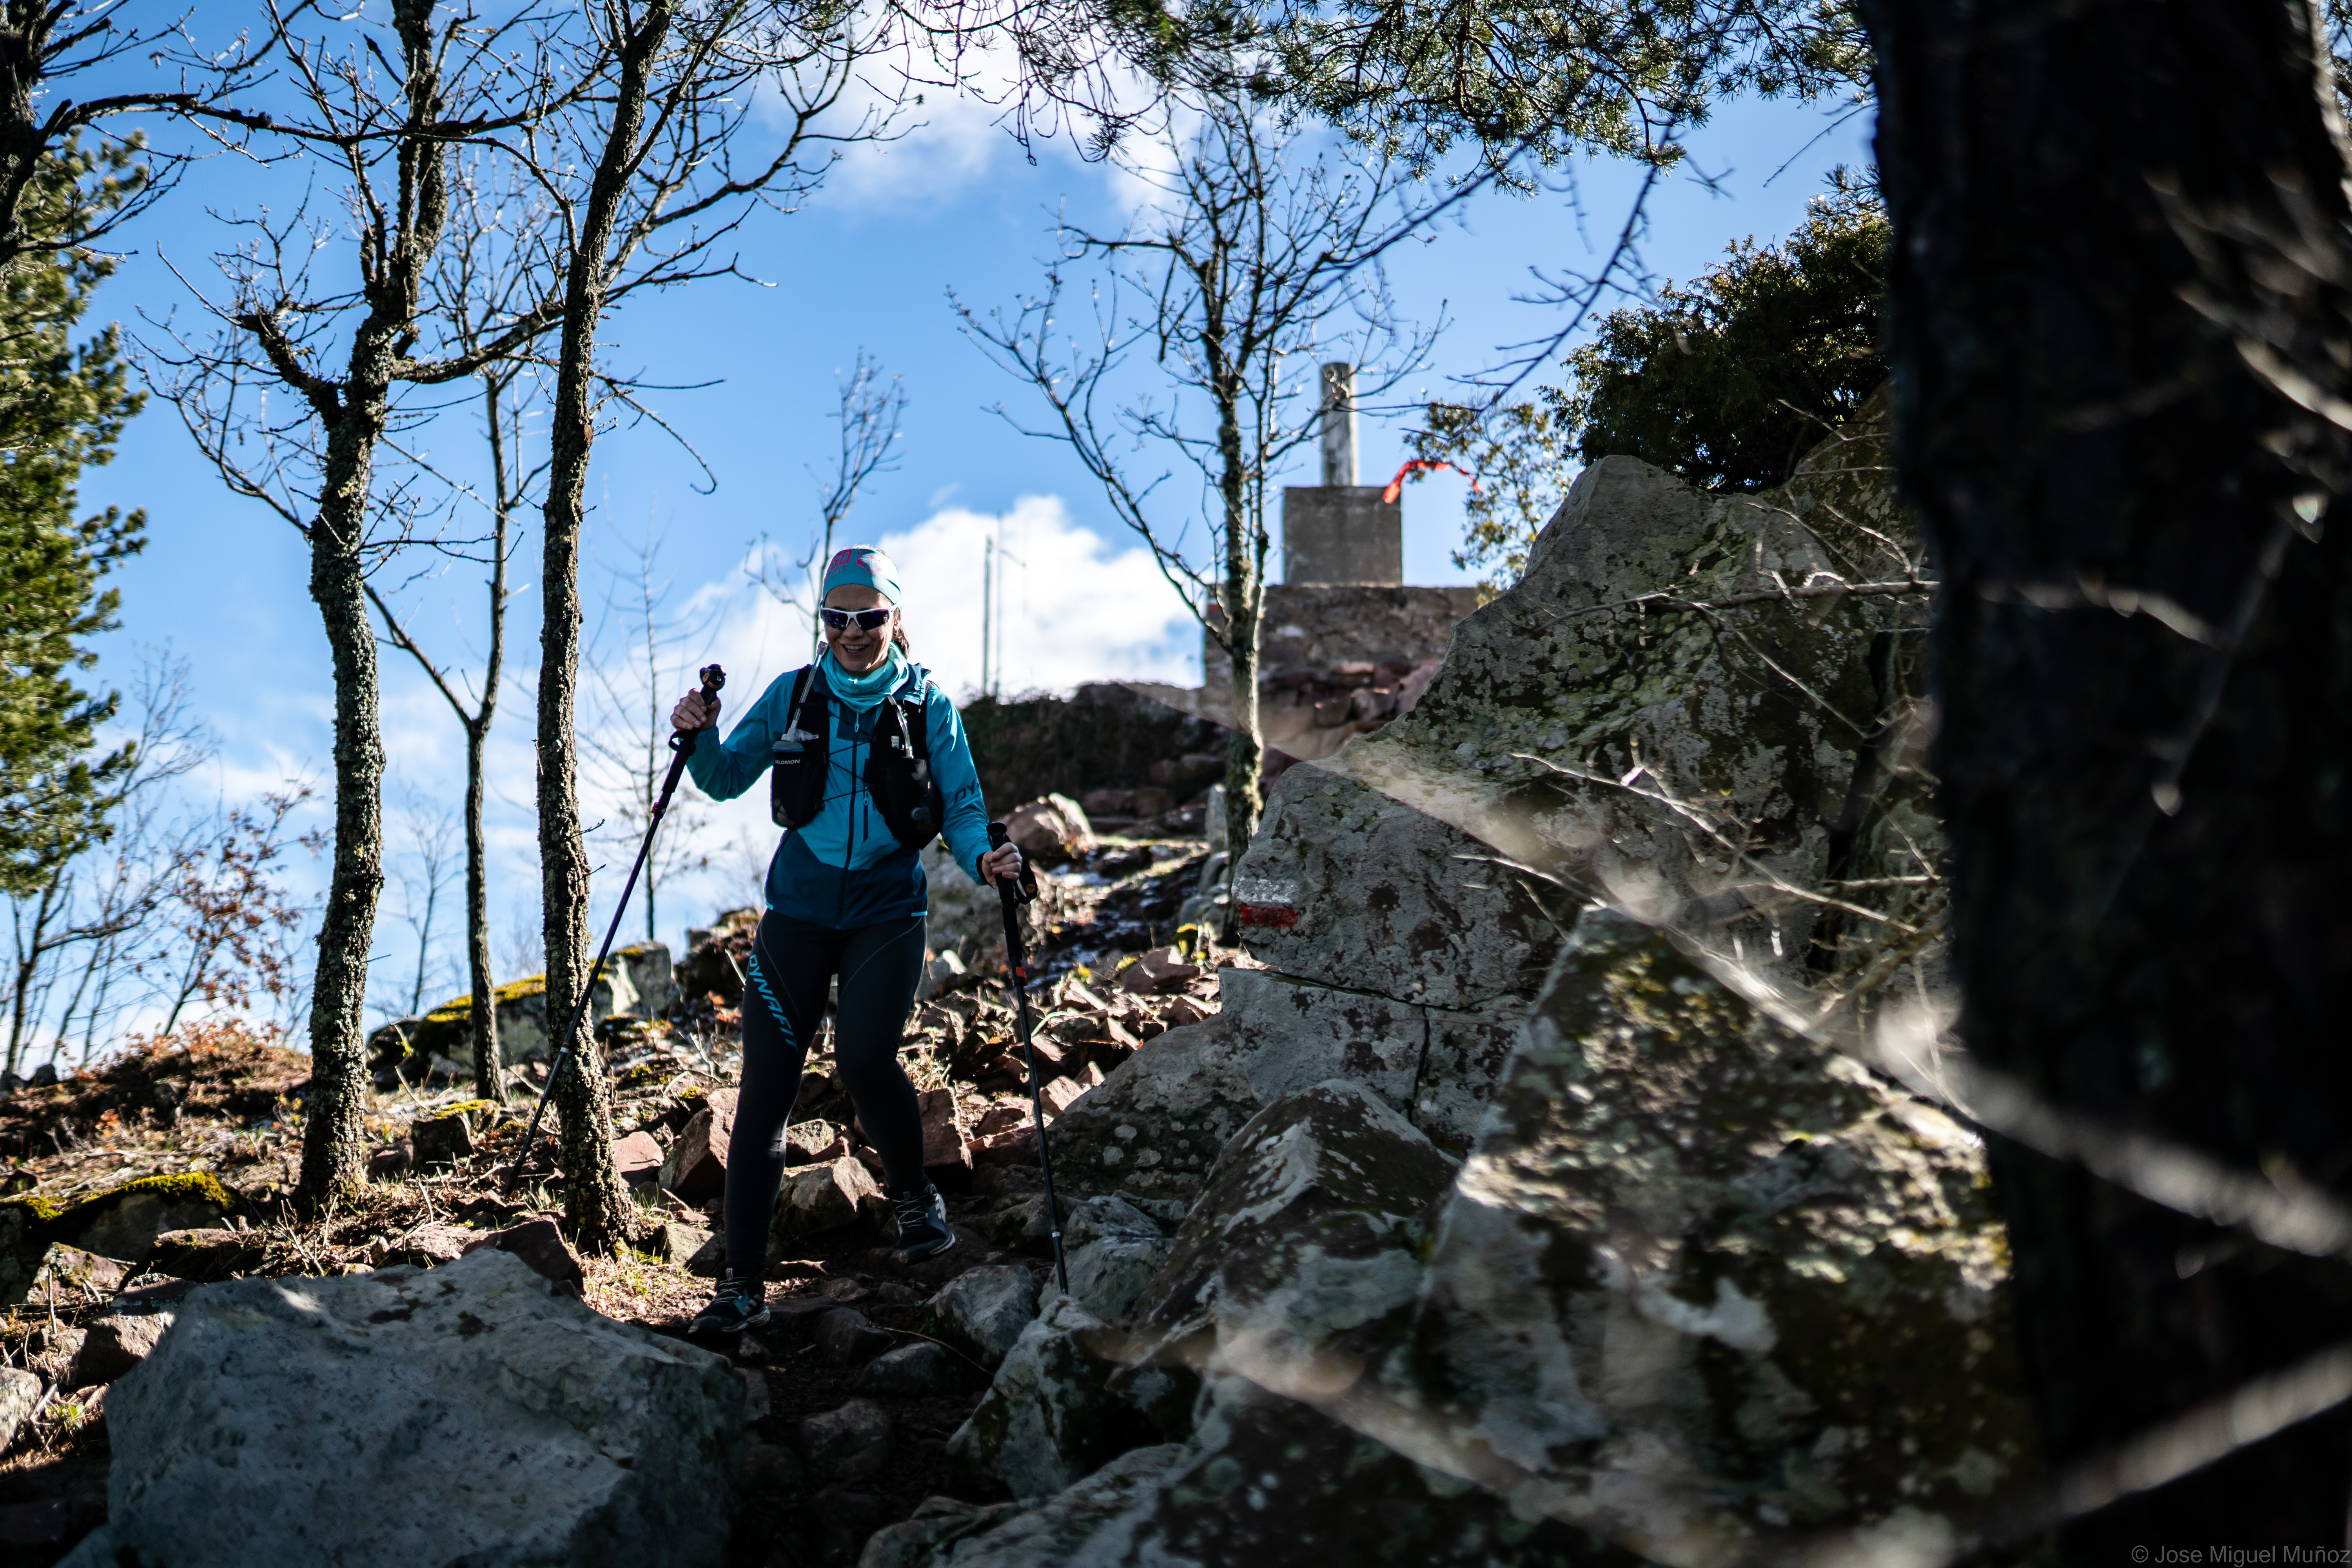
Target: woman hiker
{"x":866,"y":763}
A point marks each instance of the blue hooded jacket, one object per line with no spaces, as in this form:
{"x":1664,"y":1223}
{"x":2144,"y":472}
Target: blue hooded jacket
{"x":844,"y":868}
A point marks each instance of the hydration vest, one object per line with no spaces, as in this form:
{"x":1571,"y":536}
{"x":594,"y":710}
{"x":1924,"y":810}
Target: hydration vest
{"x":897,"y":764}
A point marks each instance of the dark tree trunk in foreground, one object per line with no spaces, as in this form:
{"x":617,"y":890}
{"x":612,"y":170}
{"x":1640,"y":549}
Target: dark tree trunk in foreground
{"x":2151,"y":822}
{"x":595,"y":1200}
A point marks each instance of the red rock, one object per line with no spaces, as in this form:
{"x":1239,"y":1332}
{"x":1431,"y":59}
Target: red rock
{"x":1159,"y":972}
{"x":1179,"y":1011}
{"x":945,"y":1146}
{"x":999,"y":1118}
{"x":696,"y":1167}
{"x":539,"y":1244}
{"x":639,"y":1156}
{"x":814,"y":1142}
{"x":1018,"y":1147}
{"x":1051,"y":830}
{"x":1061,"y":1094}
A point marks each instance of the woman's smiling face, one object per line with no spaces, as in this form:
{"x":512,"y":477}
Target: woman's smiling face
{"x":855,"y":649}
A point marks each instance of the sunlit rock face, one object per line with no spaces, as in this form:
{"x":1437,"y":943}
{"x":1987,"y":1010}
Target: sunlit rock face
{"x":1704,"y":1278}
{"x":1657,"y":716}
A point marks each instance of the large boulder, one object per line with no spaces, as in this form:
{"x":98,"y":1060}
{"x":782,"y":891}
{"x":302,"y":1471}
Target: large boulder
{"x":1274,"y":1483}
{"x":1437,"y":1066}
{"x":468,"y":1414}
{"x":637,"y":982}
{"x":1156,"y":1124}
{"x":1594,"y":734}
{"x":1705,"y":1280}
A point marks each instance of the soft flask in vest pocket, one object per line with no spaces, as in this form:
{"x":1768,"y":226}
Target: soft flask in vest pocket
{"x":796,"y":759}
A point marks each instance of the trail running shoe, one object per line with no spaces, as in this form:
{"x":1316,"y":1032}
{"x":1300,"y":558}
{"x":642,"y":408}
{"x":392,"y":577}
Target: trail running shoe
{"x":923,"y":1229}
{"x":740,"y":1304}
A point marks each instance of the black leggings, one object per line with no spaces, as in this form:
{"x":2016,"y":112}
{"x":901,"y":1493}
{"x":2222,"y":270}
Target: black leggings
{"x":784,"y":1003}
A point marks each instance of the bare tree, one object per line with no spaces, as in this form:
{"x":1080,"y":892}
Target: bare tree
{"x":422,"y":887}
{"x":1253,"y":255}
{"x":386,"y":106}
{"x":868,"y":416}
{"x":637,"y":681}
{"x":47,"y":44}
{"x":492,"y":263}
{"x":647,"y":189}
{"x":94,"y":909}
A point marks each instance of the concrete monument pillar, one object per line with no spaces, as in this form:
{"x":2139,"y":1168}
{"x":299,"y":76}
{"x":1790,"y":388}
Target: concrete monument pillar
{"x":1340,"y":530}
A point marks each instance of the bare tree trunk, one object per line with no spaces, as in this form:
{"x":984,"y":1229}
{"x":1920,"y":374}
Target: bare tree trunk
{"x":1244,"y":596}
{"x":481,"y":996}
{"x":331,"y":1128}
{"x":2101,"y":214}
{"x":353,"y":416}
{"x":482,"y":1012}
{"x":595,"y":1200}
{"x":29,"y":964}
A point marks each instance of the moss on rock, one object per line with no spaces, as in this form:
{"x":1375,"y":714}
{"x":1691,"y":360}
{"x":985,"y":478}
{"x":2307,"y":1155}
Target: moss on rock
{"x":122,"y":1221}
{"x":1694,"y":1243}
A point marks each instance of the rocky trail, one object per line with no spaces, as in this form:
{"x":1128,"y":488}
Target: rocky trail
{"x":1534,"y":1185}
{"x":170,"y":1168}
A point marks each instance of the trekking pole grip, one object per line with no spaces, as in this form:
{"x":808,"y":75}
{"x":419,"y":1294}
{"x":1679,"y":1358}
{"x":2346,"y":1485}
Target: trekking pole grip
{"x":712,"y":679}
{"x":1024,"y":885}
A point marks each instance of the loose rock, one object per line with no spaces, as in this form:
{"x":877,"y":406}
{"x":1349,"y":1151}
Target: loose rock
{"x":19,"y":1393}
{"x":1031,"y":1533}
{"x":114,"y":1344}
{"x":918,"y":1371}
{"x":695,"y":1166}
{"x":845,"y":1445}
{"x":1051,"y":831}
{"x":983,"y":1310}
{"x":1052,"y":1414}
{"x":846,"y":1336}
{"x":62,"y":1274}
{"x":540,"y":1247}
{"x":679,"y":1243}
{"x":946,"y":1150}
{"x":638,"y":1157}
{"x":821,"y":1199}
{"x":201,"y":1254}
{"x":1112,"y":1250}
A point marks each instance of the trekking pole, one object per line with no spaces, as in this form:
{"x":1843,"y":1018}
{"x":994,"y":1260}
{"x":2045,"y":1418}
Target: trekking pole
{"x":1016,"y":891}
{"x":681,"y":743}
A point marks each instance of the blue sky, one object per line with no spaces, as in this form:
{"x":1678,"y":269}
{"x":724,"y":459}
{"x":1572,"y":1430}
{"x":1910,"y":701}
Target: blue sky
{"x":865,"y":265}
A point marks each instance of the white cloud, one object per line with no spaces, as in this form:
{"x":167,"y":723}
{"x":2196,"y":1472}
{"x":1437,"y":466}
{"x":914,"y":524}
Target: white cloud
{"x":1075,"y":608}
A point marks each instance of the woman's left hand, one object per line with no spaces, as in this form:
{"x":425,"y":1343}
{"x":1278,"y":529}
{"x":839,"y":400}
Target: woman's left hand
{"x":999,"y":864}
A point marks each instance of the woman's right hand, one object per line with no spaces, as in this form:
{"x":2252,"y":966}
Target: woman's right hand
{"x":694,"y":711}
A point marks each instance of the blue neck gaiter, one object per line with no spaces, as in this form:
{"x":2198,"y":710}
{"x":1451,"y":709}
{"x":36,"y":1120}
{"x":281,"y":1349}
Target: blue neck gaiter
{"x":867,"y":691}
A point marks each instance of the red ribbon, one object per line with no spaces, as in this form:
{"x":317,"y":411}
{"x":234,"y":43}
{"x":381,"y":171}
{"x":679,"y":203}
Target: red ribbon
{"x":1422,"y":465}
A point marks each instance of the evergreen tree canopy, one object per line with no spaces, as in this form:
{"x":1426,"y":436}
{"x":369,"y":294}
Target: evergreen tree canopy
{"x":1729,"y":380}
{"x":61,"y":408}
